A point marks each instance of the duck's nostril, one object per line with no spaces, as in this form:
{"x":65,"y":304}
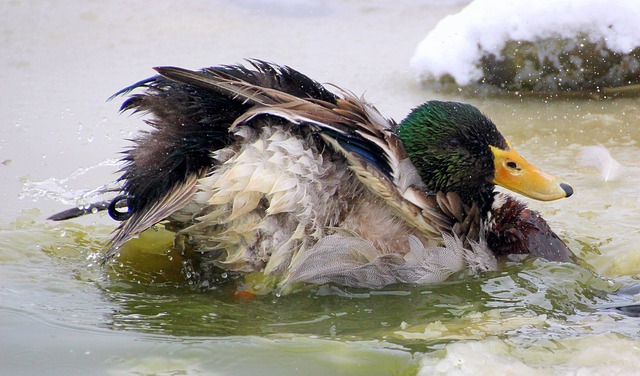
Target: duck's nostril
{"x":567,"y":189}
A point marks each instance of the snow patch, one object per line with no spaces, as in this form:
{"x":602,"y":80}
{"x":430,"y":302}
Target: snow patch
{"x":458,"y":42}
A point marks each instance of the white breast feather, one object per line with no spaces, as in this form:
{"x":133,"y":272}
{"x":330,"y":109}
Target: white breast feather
{"x":269,"y":199}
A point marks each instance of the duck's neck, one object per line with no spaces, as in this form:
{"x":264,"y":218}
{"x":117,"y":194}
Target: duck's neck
{"x":471,"y":189}
{"x":483,"y":197}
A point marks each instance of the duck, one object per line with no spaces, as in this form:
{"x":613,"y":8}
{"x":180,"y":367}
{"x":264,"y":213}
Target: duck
{"x":257,"y":168}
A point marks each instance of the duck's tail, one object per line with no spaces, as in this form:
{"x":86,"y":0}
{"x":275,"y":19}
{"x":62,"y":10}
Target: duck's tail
{"x":190,"y":118}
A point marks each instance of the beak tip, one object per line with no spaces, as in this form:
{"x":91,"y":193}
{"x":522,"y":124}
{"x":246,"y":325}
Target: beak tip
{"x":567,"y":189}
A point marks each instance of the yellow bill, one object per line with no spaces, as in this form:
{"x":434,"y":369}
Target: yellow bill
{"x":516,"y":174}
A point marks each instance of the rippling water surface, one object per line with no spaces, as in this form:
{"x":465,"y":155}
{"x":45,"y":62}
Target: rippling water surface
{"x":61,"y":313}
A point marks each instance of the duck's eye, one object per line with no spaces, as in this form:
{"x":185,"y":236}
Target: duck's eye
{"x":454,"y":142}
{"x":512,"y":165}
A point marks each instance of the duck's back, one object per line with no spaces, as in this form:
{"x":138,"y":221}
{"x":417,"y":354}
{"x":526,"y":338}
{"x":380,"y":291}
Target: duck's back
{"x":277,"y":192}
{"x":250,"y":190}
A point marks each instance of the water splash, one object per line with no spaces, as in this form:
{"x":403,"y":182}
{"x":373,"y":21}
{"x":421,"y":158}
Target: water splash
{"x":598,"y":156}
{"x":57,"y":188}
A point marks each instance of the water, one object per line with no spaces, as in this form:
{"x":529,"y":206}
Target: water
{"x":61,"y":313}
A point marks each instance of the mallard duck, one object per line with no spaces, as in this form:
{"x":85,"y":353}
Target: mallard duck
{"x":259,"y":168}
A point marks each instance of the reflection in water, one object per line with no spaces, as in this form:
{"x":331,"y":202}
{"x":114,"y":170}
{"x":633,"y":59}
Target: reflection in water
{"x":531,"y":301}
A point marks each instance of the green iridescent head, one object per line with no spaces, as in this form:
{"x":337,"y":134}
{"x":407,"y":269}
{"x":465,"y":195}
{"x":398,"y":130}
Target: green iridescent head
{"x":456,"y":148}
